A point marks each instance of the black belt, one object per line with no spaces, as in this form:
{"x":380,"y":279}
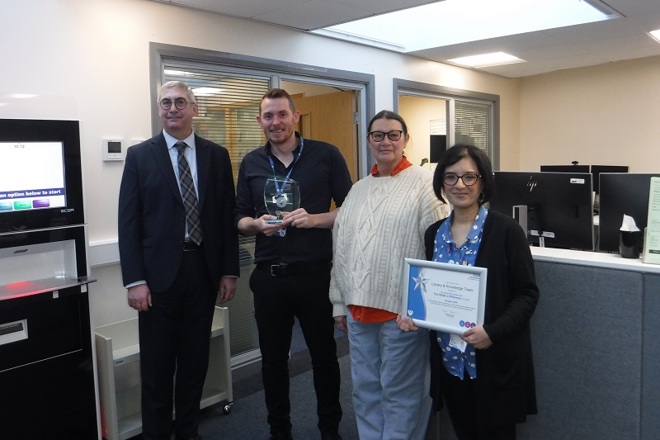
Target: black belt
{"x":290,"y":269}
{"x":190,"y":246}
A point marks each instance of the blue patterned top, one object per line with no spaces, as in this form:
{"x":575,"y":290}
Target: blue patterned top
{"x":446,"y":251}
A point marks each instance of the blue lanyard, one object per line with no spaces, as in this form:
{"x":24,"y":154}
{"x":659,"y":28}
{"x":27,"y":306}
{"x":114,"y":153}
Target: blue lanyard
{"x":280,"y":188}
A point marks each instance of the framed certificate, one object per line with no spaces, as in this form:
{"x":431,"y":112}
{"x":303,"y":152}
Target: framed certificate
{"x":652,"y":238}
{"x":442,"y":296}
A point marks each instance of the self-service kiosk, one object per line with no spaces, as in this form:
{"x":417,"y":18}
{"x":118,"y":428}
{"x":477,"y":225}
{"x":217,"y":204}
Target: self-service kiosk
{"x":47,"y":368}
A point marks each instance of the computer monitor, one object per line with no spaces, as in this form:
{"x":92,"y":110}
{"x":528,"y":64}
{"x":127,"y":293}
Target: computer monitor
{"x":565,"y":168}
{"x":621,"y":193}
{"x":597,"y":169}
{"x":438,"y":146}
{"x":41,"y":177}
{"x":558,"y":206}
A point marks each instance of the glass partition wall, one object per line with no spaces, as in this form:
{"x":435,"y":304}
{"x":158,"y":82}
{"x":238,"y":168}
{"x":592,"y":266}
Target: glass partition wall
{"x":228,"y":89}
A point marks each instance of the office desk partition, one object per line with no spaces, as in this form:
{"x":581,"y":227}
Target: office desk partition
{"x":596,"y":350}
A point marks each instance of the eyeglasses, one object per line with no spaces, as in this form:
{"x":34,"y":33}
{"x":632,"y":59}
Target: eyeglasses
{"x":468,"y":179}
{"x":393,"y":135}
{"x":179,"y":103}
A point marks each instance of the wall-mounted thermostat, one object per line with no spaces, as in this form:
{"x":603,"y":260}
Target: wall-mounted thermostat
{"x":113,"y":149}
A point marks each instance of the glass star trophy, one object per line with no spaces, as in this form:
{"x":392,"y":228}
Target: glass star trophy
{"x":281,"y":195}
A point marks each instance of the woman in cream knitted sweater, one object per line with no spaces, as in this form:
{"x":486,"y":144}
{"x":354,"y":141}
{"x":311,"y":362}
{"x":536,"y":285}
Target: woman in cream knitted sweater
{"x":381,"y":222}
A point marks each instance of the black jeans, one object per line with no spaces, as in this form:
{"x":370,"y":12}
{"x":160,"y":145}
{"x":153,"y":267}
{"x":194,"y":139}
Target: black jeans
{"x":277,"y":300}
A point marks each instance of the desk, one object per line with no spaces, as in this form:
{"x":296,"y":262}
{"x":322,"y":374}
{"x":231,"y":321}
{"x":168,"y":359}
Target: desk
{"x":595,"y":347}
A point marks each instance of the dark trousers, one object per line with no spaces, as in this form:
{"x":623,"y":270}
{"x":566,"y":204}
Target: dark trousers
{"x":175,"y":336}
{"x":277,"y":300}
{"x":460,"y":398}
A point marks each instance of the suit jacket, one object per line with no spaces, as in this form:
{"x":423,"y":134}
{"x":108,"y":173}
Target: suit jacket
{"x":152,"y":217}
{"x":505,"y":385}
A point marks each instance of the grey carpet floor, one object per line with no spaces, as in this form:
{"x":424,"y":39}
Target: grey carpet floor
{"x":247,"y":419}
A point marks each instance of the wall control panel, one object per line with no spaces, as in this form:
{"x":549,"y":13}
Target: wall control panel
{"x":113,"y":149}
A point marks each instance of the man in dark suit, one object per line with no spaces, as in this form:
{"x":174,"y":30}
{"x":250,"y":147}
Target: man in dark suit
{"x":179,"y":251}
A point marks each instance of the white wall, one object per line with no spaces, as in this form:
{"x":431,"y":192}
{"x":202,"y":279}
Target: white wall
{"x":418,"y":112}
{"x":604,"y":115}
{"x":89,"y":60}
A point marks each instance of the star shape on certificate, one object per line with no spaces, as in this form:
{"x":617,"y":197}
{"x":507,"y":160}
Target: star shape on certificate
{"x":420,"y":281}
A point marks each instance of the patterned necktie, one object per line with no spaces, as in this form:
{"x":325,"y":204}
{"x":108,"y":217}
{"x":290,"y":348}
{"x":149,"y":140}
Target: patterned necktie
{"x":189,"y":196}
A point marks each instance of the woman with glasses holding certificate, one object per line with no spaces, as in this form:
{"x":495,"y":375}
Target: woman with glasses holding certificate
{"x":381,"y":222}
{"x":485,"y":374}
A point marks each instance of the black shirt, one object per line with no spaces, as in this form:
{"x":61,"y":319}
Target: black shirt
{"x":323,"y":176}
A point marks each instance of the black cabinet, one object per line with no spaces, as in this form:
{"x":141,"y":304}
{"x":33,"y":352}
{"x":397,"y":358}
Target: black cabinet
{"x":47,"y":376}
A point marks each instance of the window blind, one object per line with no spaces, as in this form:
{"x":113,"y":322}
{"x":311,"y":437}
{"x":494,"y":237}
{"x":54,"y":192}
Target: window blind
{"x":228,"y":105}
{"x":472,"y":124}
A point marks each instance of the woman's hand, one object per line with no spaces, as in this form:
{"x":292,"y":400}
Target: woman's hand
{"x":340,"y":322}
{"x":406,"y":324}
{"x":477,"y":337}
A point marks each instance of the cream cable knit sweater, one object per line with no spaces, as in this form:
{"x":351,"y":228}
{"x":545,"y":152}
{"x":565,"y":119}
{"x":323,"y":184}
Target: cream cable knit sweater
{"x":381,"y":222}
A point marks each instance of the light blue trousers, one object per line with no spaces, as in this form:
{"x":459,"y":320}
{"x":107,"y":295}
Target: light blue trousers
{"x":390,"y":372}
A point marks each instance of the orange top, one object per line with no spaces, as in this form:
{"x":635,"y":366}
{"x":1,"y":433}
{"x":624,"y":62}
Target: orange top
{"x":370,"y":315}
{"x":400,"y":167}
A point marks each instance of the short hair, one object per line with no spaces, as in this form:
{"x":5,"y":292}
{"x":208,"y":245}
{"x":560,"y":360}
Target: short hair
{"x":387,"y":114}
{"x":178,"y":85}
{"x":276,"y":94}
{"x":454,"y":155}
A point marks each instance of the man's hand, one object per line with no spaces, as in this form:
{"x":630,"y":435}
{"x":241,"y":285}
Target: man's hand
{"x":139,"y":297}
{"x":227,"y":289}
{"x":252,"y":226}
{"x":301,"y":219}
